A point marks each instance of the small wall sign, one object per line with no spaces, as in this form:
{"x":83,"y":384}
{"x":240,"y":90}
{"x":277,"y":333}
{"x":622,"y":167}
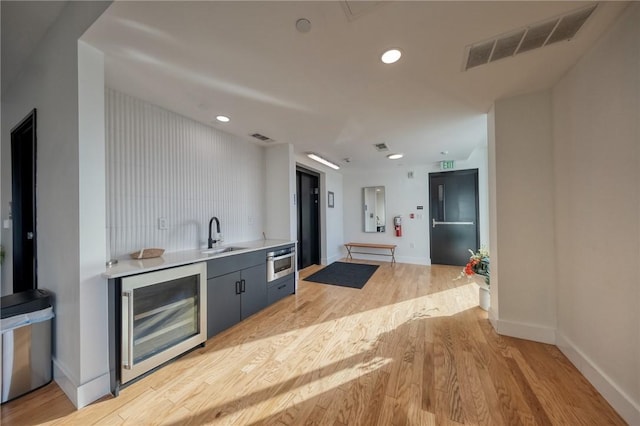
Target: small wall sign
{"x":446,"y":165}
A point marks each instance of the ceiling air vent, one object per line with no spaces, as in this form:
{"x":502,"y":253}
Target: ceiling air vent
{"x":479,"y":54}
{"x":536,"y":36}
{"x":262,"y":138}
{"x":381,"y":147}
{"x":357,"y":8}
{"x":569,"y":25}
{"x":529,"y":38}
{"x":507,"y":46}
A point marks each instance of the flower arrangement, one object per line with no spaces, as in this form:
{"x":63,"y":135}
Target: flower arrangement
{"x":478,"y":264}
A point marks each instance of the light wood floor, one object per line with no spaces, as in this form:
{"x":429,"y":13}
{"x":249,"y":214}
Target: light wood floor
{"x":411,"y":347}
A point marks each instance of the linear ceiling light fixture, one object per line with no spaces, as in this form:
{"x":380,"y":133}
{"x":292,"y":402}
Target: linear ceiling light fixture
{"x":326,"y":162}
{"x":223,"y":118}
{"x":395,"y":156}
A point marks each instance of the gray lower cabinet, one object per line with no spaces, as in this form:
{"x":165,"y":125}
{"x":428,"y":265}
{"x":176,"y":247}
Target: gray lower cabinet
{"x":281,"y":288}
{"x":234,"y":296}
{"x":254,"y":290}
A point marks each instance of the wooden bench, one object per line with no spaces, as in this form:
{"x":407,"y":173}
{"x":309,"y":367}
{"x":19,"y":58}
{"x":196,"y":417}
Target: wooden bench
{"x":391,"y":247}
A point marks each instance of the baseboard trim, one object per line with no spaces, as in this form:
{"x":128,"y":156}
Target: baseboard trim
{"x":493,"y":318}
{"x":330,"y":260}
{"x":387,"y":258}
{"x":66,"y":382}
{"x":93,"y":390}
{"x":520,"y":330}
{"x":85,"y":394}
{"x":413,"y":260}
{"x":628,"y":409}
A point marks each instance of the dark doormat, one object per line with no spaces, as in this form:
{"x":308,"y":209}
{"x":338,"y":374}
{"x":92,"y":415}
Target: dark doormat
{"x":354,"y":275}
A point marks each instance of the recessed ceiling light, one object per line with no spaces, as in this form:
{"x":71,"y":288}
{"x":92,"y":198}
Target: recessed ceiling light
{"x":391,"y":56}
{"x":223,"y":118}
{"x":395,"y":156}
{"x":326,"y":162}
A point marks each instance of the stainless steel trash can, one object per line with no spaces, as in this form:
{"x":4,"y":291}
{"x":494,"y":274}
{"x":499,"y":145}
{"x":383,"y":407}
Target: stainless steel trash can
{"x":25,"y":346}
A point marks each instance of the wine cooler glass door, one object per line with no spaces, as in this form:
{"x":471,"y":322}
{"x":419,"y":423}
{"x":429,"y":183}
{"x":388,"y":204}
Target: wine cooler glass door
{"x":162,"y":318}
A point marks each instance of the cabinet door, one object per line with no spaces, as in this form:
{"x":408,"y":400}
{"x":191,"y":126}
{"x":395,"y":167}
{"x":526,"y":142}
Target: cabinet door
{"x":223,"y":303}
{"x":254,"y":297}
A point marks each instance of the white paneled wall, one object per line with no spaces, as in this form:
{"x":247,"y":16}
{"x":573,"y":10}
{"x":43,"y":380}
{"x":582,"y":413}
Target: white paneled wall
{"x":163,"y":165}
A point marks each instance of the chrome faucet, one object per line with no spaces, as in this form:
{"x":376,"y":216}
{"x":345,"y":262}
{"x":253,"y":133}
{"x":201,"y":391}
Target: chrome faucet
{"x":211,"y":240}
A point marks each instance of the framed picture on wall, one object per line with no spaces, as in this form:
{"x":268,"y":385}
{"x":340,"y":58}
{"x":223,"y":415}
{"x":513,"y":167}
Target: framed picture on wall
{"x":330,"y":199}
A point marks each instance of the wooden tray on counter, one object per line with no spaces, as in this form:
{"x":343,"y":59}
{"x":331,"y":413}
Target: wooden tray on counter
{"x":147,"y":253}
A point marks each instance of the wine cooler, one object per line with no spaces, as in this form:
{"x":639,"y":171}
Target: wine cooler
{"x":163,"y":314}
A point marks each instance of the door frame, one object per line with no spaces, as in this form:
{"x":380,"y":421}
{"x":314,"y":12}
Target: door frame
{"x":317,"y":175}
{"x":30,"y":120}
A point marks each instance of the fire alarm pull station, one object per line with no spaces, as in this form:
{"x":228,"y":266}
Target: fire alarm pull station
{"x":397,"y":223}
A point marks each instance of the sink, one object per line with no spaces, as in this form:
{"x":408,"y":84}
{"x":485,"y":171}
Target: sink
{"x":219,"y":250}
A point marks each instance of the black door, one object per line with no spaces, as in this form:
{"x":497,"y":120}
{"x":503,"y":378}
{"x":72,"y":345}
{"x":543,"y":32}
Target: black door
{"x":308,"y":218}
{"x":453,"y":220}
{"x":23,"y":203}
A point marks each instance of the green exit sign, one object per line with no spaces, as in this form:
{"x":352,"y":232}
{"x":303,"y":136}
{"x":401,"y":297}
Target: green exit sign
{"x":446,"y":165}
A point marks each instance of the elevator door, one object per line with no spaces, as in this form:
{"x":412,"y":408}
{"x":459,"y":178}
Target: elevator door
{"x":308,"y":218}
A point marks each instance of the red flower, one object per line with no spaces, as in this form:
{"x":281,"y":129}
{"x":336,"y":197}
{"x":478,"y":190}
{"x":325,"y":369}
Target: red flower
{"x":478,"y":264}
{"x":468,"y":269}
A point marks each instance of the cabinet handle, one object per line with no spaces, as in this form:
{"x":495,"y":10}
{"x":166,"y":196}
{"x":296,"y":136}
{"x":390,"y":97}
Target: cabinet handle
{"x":282,"y":286}
{"x":243,"y":286}
{"x":284,"y":256}
{"x":128,"y":364}
{"x":238,"y":287}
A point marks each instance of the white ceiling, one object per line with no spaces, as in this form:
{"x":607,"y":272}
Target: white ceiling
{"x":24,"y":23}
{"x":326,"y":91}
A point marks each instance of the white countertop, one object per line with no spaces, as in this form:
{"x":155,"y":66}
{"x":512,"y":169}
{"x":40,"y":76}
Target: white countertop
{"x":126,"y":267}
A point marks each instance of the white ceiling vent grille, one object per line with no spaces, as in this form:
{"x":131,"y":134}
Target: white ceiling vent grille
{"x":357,"y":8}
{"x":381,"y":147}
{"x":262,"y":138}
{"x":529,"y":38}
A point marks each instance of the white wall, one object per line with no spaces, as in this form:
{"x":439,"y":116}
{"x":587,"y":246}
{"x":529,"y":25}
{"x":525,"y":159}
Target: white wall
{"x":94,"y":349}
{"x":524,"y":217}
{"x":331,"y":219}
{"x":565,"y":211}
{"x":163,"y":165}
{"x":49,"y":82}
{"x":596,"y":111}
{"x":333,"y":233}
{"x":280,"y":191}
{"x":403,"y":195}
